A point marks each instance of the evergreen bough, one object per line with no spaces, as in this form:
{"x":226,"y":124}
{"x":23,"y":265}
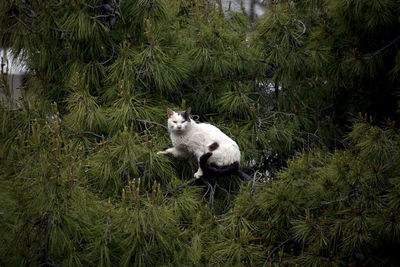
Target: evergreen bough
{"x":81,"y":183}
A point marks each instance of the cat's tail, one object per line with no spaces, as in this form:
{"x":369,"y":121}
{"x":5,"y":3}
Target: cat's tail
{"x":217,"y":171}
{"x":210,"y":169}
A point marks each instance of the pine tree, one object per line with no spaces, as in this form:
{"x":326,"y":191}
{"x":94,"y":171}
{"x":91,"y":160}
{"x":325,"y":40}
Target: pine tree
{"x":327,"y":208}
{"x":81,"y":183}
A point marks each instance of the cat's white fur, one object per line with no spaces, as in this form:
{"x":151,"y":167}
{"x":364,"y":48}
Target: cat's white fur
{"x":189,"y":137}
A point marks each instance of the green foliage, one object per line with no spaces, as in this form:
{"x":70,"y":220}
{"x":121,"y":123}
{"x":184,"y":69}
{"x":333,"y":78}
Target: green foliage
{"x":337,"y":207}
{"x":81,"y":183}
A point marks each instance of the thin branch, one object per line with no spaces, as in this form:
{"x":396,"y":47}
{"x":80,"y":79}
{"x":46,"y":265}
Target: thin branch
{"x":304,"y":28}
{"x":355,"y":191}
{"x":147,"y":129}
{"x":94,"y":134}
{"x":211,"y":189}
{"x":60,"y":2}
{"x":281,"y":244}
{"x":92,"y":7}
{"x":196,"y":118}
{"x":23,"y":23}
{"x":324,"y":203}
{"x":228,"y":201}
{"x":183,"y":8}
{"x":255,"y":179}
{"x":103,"y":16}
{"x":276,"y":112}
{"x":385,"y":47}
{"x":111,"y":57}
{"x":187,"y":84}
{"x":47,"y":260}
{"x":155,"y":123}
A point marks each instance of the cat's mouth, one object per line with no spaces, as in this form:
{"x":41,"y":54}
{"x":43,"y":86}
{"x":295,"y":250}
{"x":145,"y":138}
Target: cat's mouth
{"x":179,"y":130}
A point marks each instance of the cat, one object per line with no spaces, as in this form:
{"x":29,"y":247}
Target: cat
{"x":216,"y":153}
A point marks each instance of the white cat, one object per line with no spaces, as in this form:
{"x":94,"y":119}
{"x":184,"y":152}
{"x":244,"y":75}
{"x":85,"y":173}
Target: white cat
{"x":189,"y":137}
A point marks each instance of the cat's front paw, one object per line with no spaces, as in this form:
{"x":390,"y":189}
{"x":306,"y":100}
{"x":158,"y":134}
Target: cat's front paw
{"x":198,"y":174}
{"x":162,"y":152}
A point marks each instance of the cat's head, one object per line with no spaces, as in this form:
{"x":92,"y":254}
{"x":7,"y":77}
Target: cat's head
{"x":178,"y":121}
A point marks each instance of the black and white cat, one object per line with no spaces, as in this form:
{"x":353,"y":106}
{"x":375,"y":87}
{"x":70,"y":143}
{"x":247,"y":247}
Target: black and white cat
{"x":216,"y":153}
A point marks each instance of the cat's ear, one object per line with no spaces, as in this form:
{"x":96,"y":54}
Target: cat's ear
{"x":170,"y":112}
{"x":187,"y":112}
{"x":186,"y":115}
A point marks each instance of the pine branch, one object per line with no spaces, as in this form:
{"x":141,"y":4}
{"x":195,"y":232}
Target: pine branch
{"x":47,"y":260}
{"x":228,"y":193}
{"x":167,"y":191}
{"x":281,"y":244}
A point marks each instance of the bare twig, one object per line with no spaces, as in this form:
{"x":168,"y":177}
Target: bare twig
{"x":186,"y":83}
{"x":355,"y":191}
{"x":103,"y":16}
{"x":304,"y":28}
{"x":60,"y":2}
{"x":95,"y":135}
{"x":155,"y":123}
{"x":395,"y":40}
{"x":255,"y":178}
{"x":23,"y":23}
{"x":111,"y":57}
{"x":147,"y":129}
{"x":212,"y":191}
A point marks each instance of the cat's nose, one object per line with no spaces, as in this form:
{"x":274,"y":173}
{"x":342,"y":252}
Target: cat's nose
{"x":179,"y":127}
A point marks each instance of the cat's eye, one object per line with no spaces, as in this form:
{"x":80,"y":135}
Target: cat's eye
{"x":174,"y":121}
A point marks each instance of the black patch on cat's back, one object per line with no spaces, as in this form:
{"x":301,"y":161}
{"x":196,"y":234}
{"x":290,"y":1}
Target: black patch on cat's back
{"x":213,"y":146}
{"x":184,"y":115}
